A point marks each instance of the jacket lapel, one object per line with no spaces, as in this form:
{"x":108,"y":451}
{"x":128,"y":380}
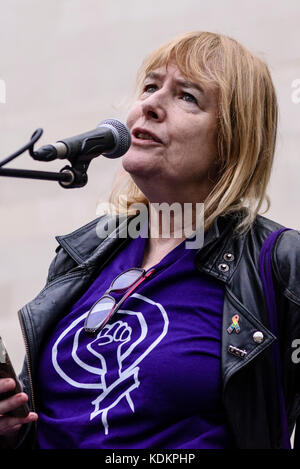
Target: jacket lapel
{"x":241,"y":344}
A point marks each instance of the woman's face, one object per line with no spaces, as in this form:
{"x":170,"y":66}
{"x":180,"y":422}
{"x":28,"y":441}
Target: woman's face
{"x":174,"y":136}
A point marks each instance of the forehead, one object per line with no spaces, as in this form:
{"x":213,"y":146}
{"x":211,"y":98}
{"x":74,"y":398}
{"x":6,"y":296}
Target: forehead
{"x":166,"y":70}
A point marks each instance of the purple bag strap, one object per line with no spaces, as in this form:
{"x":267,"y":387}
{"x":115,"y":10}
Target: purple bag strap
{"x":265,"y":268}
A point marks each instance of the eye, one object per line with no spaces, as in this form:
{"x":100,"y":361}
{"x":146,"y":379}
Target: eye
{"x":150,"y":88}
{"x":189,"y":98}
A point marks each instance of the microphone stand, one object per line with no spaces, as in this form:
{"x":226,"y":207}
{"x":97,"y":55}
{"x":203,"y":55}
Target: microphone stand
{"x":69,"y":177}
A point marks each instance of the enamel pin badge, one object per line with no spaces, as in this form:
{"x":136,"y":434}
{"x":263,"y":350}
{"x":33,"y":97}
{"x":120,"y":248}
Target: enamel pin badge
{"x":234,"y":326}
{"x":237,"y":352}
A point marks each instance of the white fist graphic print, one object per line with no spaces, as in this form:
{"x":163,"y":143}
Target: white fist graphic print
{"x":115,"y":348}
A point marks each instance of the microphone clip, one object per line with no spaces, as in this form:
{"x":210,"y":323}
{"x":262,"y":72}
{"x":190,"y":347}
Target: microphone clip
{"x":77,"y":174}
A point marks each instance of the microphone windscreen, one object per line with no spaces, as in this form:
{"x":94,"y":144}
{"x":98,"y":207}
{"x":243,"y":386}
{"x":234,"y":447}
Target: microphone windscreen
{"x":122,"y":137}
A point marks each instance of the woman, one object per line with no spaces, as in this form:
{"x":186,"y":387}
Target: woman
{"x":185,"y":358}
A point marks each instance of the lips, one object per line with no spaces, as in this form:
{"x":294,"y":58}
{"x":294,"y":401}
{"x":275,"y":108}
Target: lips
{"x":143,"y":135}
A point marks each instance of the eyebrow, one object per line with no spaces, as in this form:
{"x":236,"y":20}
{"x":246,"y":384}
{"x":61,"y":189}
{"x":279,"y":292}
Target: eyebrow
{"x":179,"y":81}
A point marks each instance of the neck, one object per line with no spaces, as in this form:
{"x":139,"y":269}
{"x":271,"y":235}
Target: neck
{"x":174,"y":221}
{"x":169,"y":225}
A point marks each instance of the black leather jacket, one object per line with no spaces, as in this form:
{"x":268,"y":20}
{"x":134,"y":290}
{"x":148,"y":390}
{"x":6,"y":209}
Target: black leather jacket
{"x":250,"y":395}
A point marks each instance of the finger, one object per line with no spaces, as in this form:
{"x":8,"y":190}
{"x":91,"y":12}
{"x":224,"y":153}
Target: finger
{"x":13,"y":402}
{"x":13,"y":429}
{"x":7,"y":384}
{"x":122,"y":332}
{"x":7,"y":424}
{"x":104,"y":340}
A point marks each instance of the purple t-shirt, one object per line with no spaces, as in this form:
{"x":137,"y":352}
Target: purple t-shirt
{"x":152,"y":377}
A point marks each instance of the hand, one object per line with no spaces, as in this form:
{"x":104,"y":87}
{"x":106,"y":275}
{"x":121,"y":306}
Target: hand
{"x":11,"y":425}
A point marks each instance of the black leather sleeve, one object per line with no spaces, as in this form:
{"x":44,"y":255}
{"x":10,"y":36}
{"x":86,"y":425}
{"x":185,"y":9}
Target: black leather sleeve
{"x":286,"y":267}
{"x":286,"y":264}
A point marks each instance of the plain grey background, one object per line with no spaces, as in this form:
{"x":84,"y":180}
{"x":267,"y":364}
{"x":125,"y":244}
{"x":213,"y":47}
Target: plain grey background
{"x":69,"y":64}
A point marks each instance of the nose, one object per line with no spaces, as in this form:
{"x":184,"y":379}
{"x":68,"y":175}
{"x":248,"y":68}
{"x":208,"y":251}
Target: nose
{"x":154,"y":107}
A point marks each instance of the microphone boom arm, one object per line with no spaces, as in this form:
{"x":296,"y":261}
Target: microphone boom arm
{"x":68,"y":177}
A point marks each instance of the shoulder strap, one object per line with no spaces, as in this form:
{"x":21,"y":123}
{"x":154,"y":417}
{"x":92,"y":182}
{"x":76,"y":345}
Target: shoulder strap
{"x":265,"y":267}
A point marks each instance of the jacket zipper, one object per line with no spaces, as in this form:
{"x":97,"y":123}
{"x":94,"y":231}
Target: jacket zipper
{"x":28,"y":360}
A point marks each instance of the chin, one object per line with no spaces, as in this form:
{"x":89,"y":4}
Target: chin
{"x":138,"y":165}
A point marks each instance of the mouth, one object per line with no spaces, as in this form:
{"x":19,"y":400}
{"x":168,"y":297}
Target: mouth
{"x":145,"y":136}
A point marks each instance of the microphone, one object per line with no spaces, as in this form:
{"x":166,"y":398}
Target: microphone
{"x":111,"y":138}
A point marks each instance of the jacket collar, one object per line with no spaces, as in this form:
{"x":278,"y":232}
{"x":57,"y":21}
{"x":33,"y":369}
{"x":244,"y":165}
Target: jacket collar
{"x":87,"y":240}
{"x":222,"y":250}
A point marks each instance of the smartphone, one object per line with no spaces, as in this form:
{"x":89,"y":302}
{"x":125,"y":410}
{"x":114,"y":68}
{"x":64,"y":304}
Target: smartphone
{"x":7,"y":371}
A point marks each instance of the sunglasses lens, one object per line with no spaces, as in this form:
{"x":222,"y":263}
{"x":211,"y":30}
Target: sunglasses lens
{"x":127,"y":279}
{"x":99,"y":312}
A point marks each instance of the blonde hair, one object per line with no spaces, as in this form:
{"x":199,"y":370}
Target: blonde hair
{"x":247,"y":122}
